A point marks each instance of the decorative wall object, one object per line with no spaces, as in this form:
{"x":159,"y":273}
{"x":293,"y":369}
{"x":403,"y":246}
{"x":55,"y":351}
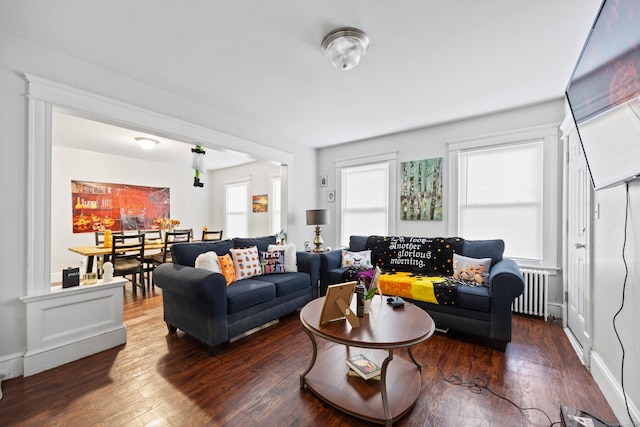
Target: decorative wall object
{"x":260,"y":203}
{"x":421,"y":192}
{"x":331,"y":196}
{"x":324,"y":181}
{"x":198,"y":161}
{"x":99,"y":206}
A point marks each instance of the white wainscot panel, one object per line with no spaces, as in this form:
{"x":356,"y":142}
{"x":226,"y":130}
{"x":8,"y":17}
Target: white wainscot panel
{"x":69,"y":324}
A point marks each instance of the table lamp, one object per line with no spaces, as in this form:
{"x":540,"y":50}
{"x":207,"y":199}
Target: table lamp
{"x":318,"y":217}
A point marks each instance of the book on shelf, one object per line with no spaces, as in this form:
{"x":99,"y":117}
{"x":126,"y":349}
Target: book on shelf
{"x":353,"y":373}
{"x":363,"y":366}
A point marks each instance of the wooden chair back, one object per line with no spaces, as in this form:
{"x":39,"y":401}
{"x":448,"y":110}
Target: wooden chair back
{"x":211,"y":235}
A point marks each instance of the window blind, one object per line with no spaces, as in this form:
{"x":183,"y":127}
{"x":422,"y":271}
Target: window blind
{"x":501,"y":196}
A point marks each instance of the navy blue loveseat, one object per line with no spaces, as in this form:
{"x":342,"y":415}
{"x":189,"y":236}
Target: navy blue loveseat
{"x":200,"y":303}
{"x":484,"y":311}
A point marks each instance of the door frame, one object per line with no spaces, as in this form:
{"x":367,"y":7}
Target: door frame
{"x":568,"y":129}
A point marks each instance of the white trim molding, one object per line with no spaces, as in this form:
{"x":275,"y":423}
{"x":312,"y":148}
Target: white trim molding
{"x":612,"y":390}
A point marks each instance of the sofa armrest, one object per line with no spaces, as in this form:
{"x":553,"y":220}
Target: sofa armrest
{"x":328,"y":261}
{"x":191,"y":282}
{"x":194,"y":300}
{"x":506,"y":284}
{"x":309,"y":263}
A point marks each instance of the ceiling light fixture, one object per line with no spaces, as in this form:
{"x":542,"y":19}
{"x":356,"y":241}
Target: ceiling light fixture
{"x":146,"y":143}
{"x":345,"y":47}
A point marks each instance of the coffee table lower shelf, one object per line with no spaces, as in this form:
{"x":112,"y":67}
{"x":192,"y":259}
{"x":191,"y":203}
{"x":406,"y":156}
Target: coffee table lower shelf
{"x":329,"y":379}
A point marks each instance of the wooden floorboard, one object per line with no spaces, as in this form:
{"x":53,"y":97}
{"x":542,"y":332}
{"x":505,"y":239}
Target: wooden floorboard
{"x":159,"y":379}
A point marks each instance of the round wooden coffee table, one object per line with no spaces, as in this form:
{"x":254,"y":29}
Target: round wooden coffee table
{"x":380,"y":401}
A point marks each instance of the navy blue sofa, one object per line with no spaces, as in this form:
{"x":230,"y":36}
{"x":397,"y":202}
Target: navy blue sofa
{"x":484,"y":311}
{"x":200,"y":303}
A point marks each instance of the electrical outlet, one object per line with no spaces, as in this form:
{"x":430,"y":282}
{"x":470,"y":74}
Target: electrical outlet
{"x":4,"y":374}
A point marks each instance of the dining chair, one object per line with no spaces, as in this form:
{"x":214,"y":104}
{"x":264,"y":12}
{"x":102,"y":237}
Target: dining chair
{"x":100,"y":260}
{"x":150,"y":236}
{"x":171,"y":237}
{"x":211,"y":235}
{"x":127,"y":256}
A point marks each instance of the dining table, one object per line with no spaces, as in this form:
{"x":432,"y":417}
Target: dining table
{"x":99,"y":250}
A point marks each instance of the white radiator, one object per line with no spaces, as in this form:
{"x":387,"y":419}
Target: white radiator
{"x":534,"y":298}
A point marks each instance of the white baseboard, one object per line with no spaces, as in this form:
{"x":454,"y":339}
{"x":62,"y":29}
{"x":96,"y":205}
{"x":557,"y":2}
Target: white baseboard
{"x":555,"y":309}
{"x":47,"y":358}
{"x":12,"y":362}
{"x":612,"y":391}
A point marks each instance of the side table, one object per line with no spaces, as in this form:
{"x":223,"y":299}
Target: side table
{"x":382,"y":331}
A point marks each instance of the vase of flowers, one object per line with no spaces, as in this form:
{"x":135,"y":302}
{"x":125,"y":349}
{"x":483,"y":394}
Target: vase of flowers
{"x":370,"y":288}
{"x":165,"y":224}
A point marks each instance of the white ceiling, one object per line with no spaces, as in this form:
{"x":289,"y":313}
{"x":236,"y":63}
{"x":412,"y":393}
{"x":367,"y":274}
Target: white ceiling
{"x":76,"y":132}
{"x":258,"y":64}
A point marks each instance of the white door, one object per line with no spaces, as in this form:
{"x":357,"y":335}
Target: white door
{"x":578,"y":252}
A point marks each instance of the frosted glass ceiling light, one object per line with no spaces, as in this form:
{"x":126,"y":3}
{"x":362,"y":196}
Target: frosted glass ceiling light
{"x":345,"y":47}
{"x":146,"y":143}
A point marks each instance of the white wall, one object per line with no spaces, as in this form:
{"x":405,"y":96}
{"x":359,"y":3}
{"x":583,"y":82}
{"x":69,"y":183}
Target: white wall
{"x":608,"y":271}
{"x":432,"y":143}
{"x":189,"y":204}
{"x":20,"y":56}
{"x":258,"y":174}
{"x":424,"y":144}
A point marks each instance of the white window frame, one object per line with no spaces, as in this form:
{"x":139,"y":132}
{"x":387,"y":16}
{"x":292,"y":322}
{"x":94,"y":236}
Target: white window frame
{"x":549,"y":134}
{"x":247,"y":205}
{"x":390,"y":158}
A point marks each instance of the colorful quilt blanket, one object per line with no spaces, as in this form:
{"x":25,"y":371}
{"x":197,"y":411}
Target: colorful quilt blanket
{"x":420,"y":255}
{"x":431,"y":289}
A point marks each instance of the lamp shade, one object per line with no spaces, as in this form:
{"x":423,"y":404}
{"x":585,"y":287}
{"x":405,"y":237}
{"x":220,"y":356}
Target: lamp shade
{"x":318,"y":217}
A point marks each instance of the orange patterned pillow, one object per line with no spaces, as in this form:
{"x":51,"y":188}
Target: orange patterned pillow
{"x":226,"y":265}
{"x":246,"y":262}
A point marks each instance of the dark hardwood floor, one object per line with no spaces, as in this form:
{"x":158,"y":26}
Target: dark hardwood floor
{"x":158,"y":379}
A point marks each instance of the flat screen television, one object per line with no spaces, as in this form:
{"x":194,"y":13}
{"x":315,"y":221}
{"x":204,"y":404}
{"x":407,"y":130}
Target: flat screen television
{"x":604,"y":94}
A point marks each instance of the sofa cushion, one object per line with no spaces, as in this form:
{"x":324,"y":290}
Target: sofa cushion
{"x":186,"y":253}
{"x":336,"y":275}
{"x":246,"y":262}
{"x":209,"y":261}
{"x":272,"y":262}
{"x":227,"y":269}
{"x":261,"y":243}
{"x":484,"y":249}
{"x":360,"y":260}
{"x":287,"y":283}
{"x":358,"y":243}
{"x":473,"y":270}
{"x":290,"y":257}
{"x":474,"y":298}
{"x":249,"y":292}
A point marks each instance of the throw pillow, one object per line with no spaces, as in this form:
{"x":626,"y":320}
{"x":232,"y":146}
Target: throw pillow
{"x":246,"y":262}
{"x":226,"y":268}
{"x":272,"y":262}
{"x":358,"y":260}
{"x":208,"y":261}
{"x":475,"y":270}
{"x":290,"y":259}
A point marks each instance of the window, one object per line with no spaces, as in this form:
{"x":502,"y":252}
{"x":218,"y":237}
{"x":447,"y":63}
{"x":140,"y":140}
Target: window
{"x":506,"y":189}
{"x":367,"y":197}
{"x":500,"y":192}
{"x":237,"y":208}
{"x":275,"y":203}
